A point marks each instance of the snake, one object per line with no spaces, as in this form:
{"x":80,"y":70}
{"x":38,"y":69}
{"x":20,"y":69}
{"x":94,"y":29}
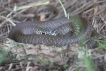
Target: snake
{"x":57,"y":32}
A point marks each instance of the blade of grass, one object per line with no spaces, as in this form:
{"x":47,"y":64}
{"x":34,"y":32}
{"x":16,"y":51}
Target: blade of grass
{"x":8,"y":20}
{"x":102,"y":45}
{"x":33,"y":4}
{"x":65,"y":13}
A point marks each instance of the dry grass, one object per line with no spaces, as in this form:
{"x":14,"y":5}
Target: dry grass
{"x":15,"y":11}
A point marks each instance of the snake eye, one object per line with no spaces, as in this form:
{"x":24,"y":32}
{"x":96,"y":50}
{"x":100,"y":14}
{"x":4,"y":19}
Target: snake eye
{"x":43,"y":33}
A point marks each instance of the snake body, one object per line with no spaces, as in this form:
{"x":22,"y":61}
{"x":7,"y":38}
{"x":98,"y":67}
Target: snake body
{"x":58,"y":31}
{"x":25,"y":32}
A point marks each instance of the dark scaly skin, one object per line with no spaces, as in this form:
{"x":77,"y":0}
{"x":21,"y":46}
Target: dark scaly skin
{"x":62,"y":25}
{"x":17,"y":32}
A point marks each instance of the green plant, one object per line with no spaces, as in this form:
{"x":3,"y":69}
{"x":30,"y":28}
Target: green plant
{"x":77,"y":23}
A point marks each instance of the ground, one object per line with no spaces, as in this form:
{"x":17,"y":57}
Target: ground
{"x":27,"y":57}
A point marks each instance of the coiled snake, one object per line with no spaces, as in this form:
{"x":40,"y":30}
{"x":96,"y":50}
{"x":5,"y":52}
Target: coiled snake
{"x":25,"y":32}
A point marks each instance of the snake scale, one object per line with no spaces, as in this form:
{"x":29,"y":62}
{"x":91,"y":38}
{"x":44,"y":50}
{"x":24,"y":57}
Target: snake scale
{"x":25,"y":32}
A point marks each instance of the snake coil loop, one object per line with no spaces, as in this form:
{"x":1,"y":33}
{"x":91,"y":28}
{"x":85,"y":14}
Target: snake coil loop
{"x":23,"y":32}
